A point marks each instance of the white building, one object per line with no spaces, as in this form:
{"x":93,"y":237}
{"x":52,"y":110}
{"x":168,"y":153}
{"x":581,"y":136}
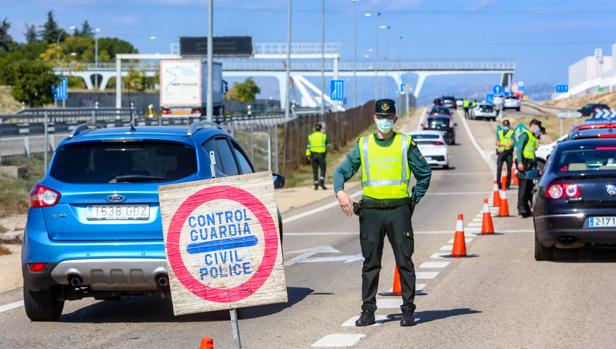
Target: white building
{"x":592,"y":74}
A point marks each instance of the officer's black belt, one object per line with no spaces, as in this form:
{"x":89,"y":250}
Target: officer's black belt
{"x":392,"y":203}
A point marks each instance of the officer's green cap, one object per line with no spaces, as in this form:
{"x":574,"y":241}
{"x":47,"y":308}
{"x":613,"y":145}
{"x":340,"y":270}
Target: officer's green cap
{"x":385,"y":107}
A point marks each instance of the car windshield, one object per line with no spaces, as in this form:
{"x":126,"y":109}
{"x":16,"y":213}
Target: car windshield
{"x":486,"y":108}
{"x":123,"y":162}
{"x":601,"y":158}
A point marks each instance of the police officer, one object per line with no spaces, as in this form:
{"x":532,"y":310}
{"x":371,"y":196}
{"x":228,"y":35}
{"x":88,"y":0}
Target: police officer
{"x":504,"y":151}
{"x":526,"y":145}
{"x":466,"y":104}
{"x":386,"y":160}
{"x":474,"y":104}
{"x":316,"y":149}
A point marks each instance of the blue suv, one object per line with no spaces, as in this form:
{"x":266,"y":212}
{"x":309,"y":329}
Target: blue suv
{"x":94,"y":227}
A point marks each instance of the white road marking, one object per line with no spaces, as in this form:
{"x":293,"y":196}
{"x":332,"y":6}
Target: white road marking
{"x":478,"y":218}
{"x":457,"y":193}
{"x":11,"y":306}
{"x":485,"y":157}
{"x":472,"y":230}
{"x":380,"y":319}
{"x":474,"y":224}
{"x":316,"y":210}
{"x":439,"y":255}
{"x":426,"y":275}
{"x":389,"y":303}
{"x":446,"y":248}
{"x":436,"y":265}
{"x":420,"y":232}
{"x":339,"y":340}
{"x":453,"y":173}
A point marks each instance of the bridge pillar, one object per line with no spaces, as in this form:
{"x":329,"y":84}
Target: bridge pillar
{"x":421,"y":78}
{"x":104,"y":81}
{"x":506,"y":79}
{"x":282,"y":87}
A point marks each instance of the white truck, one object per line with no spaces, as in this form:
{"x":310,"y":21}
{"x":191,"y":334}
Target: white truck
{"x":183,"y":87}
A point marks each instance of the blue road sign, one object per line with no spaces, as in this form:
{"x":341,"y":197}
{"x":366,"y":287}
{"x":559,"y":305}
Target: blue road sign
{"x":497,"y":90}
{"x":402,"y":88}
{"x":507,"y":93}
{"x":60,"y":91}
{"x":564,"y":88}
{"x":490,"y":98}
{"x":336,"y":88}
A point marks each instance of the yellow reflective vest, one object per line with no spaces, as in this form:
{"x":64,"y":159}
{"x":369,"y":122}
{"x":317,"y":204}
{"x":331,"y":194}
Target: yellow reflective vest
{"x":505,"y":138}
{"x":531,"y":146}
{"x":385,"y":171}
{"x":317,"y":143}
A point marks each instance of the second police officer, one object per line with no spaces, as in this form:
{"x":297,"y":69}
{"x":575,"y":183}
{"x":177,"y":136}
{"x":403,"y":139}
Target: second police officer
{"x":386,"y":160}
{"x":504,"y":151}
{"x":316,"y":150}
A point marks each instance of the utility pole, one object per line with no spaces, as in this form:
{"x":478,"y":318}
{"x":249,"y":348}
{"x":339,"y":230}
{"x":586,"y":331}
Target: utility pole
{"x":96,"y":31}
{"x":322,"y":58}
{"x":354,"y":52}
{"x":210,"y":56}
{"x":288,"y":72}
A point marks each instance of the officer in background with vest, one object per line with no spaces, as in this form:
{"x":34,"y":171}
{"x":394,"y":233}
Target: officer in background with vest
{"x":316,"y":149}
{"x":465,"y":105}
{"x":526,"y":145}
{"x":504,"y":151}
{"x":386,"y":160}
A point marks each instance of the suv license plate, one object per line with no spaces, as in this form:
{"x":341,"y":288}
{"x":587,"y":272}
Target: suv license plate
{"x":602,"y":222}
{"x":118,"y":212}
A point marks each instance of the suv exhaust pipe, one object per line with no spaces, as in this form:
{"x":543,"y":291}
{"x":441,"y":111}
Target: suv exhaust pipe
{"x":75,"y":280}
{"x":568,"y":241}
{"x":162,"y":281}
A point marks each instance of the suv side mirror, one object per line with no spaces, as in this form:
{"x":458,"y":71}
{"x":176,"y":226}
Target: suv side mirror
{"x":278,"y":181}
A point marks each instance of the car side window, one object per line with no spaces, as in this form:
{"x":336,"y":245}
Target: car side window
{"x":208,"y":146}
{"x":243,"y":162}
{"x":229,"y":166}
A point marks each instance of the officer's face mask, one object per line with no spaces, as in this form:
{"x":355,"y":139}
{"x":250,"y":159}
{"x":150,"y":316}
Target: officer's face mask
{"x":506,"y":128}
{"x":384,"y":125}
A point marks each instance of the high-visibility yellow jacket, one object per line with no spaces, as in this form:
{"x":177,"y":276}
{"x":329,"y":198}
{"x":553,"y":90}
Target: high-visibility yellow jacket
{"x":317,"y":143}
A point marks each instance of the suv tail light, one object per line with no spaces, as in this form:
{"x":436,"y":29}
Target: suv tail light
{"x":41,"y":196}
{"x":36,"y":267}
{"x":166,"y":111}
{"x":557,"y":191}
{"x":195,"y":111}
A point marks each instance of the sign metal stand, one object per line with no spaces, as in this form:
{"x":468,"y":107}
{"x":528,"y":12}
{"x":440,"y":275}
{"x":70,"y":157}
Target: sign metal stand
{"x":235,"y":326}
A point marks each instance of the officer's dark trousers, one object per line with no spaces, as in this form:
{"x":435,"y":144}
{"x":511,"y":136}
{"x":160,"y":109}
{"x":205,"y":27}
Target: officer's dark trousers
{"x":374,"y":224}
{"x":318,"y":161}
{"x":504,"y":157}
{"x":525,"y":192}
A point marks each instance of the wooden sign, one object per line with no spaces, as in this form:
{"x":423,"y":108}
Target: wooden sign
{"x":222,"y":243}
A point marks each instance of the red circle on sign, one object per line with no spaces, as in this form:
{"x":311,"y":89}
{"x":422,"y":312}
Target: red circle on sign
{"x":250,"y":286}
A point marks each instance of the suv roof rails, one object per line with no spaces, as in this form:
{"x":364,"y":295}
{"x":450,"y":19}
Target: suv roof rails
{"x":79,"y":129}
{"x":199,"y":125}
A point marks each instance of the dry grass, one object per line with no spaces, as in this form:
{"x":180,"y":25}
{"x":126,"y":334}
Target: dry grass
{"x":8,"y":104}
{"x":4,"y":251}
{"x":577,"y":102}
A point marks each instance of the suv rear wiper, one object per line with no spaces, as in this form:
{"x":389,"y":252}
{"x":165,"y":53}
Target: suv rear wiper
{"x":135,"y":178}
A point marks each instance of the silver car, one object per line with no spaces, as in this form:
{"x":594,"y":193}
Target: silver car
{"x":484,"y":111}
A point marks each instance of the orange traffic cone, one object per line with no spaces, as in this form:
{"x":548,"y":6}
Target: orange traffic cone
{"x":206,"y":343}
{"x":514,"y":176}
{"x":486,"y":223}
{"x":503,"y":210}
{"x":503,"y":182}
{"x":495,"y":195}
{"x":397,"y":289}
{"x":459,"y":243}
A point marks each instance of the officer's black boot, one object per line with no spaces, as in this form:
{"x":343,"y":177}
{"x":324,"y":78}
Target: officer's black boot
{"x":365,"y":319}
{"x":322,"y":184}
{"x":316,"y":185}
{"x":408,"y":318}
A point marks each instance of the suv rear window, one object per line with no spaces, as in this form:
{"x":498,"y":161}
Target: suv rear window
{"x":597,"y":159}
{"x":123,"y":162}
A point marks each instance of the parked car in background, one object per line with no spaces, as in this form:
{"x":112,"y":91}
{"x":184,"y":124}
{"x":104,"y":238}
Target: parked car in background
{"x":94,"y":224}
{"x":484,"y":111}
{"x":575,"y":203}
{"x":592,"y":130}
{"x":590,"y":108}
{"x":443,"y":124}
{"x":512,"y":102}
{"x":460,"y":102}
{"x":432,"y":146}
{"x":449,"y":102}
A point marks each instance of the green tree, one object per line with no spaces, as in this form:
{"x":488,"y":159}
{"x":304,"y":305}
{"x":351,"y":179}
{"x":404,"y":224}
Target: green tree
{"x":244,"y":92}
{"x":135,"y":80}
{"x":86,"y":30}
{"x":113,"y":46}
{"x":6,"y":41}
{"x":34,"y":81}
{"x":31,"y":34}
{"x":50,"y":31}
{"x":19,"y":52}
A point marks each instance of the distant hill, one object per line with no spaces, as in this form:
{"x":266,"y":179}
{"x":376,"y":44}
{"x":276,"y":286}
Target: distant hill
{"x":576,"y":102}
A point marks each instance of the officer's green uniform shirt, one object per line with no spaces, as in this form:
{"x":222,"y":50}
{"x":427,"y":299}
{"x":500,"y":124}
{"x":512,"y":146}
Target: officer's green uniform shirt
{"x":419,"y":167}
{"x":522,"y":140}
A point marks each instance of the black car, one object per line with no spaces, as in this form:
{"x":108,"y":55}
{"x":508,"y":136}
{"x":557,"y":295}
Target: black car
{"x":444,"y":124}
{"x":575,"y":203}
{"x":449,"y":102}
{"x":590,"y":108}
{"x":440,"y":110}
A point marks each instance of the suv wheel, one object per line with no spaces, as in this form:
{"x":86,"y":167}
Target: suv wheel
{"x":42,"y":305}
{"x":542,"y":253}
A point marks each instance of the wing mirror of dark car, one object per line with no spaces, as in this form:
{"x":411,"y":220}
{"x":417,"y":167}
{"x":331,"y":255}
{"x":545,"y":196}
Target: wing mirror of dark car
{"x":278,"y":181}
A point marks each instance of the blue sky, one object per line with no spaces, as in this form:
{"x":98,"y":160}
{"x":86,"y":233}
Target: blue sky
{"x":542,"y":36}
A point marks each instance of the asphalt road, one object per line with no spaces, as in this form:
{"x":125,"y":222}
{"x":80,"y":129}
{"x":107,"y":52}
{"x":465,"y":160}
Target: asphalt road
{"x":501,"y":298}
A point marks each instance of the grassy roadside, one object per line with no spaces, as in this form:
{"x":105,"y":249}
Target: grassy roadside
{"x":7,"y":103}
{"x":14,"y":192}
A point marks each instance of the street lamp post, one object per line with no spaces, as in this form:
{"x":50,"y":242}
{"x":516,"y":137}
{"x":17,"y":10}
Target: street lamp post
{"x":354,"y":52}
{"x":210,"y":56}
{"x":386,"y":28}
{"x":376,"y":53}
{"x":322,"y":58}
{"x":288,"y":65}
{"x":96,"y":31}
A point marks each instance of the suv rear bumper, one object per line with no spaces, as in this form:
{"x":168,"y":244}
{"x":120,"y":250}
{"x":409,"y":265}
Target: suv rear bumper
{"x":117,"y":274}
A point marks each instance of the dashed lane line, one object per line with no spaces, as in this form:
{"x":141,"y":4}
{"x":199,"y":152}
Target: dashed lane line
{"x":339,"y":340}
{"x":434,"y":265}
{"x":426,"y":275}
{"x":446,"y":248}
{"x":11,"y":306}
